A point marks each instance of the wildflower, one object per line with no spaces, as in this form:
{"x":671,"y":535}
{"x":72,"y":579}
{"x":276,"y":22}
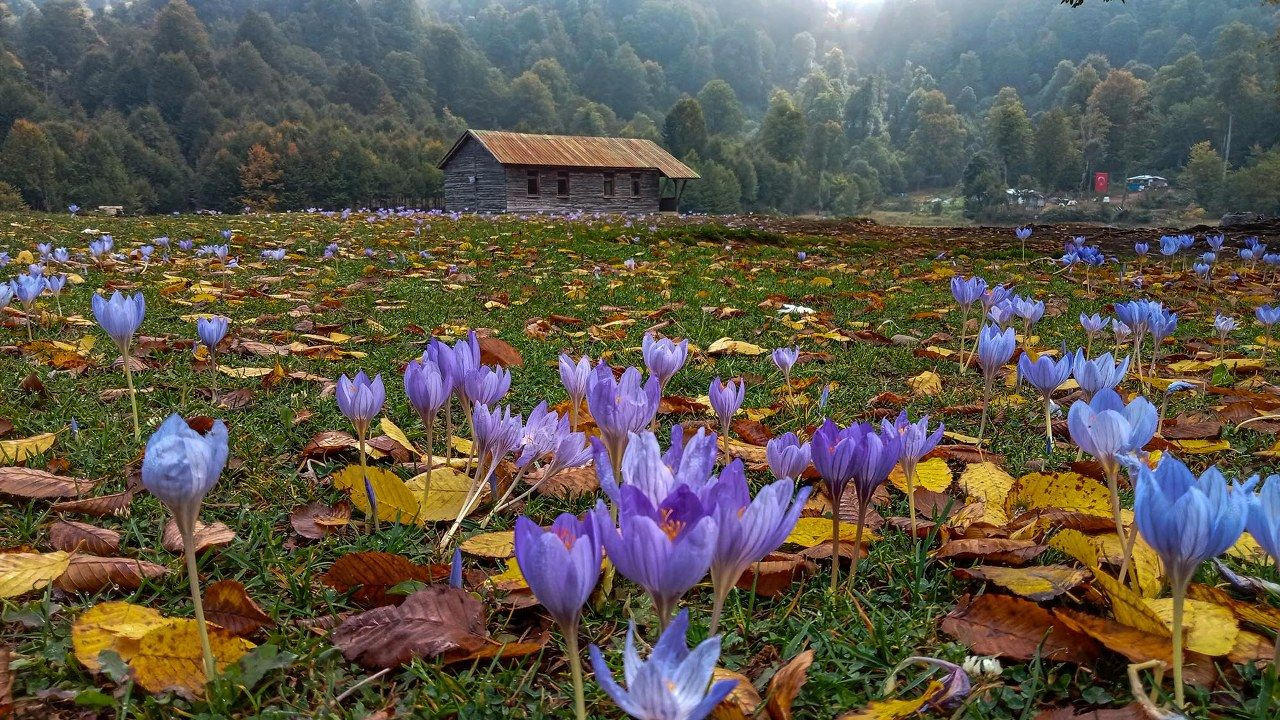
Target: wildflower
{"x":360,"y":400}
{"x":917,"y":441}
{"x":1045,"y":375}
{"x":1093,"y":325}
{"x":561,"y":564}
{"x":726,"y":399}
{"x":575,"y":376}
{"x":663,"y":357}
{"x":621,"y":406}
{"x":485,"y":385}
{"x":121,"y":317}
{"x":787,"y":456}
{"x":1103,"y":372}
{"x":995,"y":347}
{"x":784,"y":358}
{"x":673,"y":684}
{"x":428,"y":390}
{"x":1223,"y":325}
{"x":1267,"y":316}
{"x":1187,"y":520}
{"x":180,"y":467}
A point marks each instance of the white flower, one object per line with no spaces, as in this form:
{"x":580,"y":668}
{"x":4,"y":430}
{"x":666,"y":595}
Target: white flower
{"x":788,"y":309}
{"x":979,"y":667}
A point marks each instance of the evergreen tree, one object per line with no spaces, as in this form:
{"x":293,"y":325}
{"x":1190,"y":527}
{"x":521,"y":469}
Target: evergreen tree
{"x":1009,"y":133}
{"x":685,"y":130}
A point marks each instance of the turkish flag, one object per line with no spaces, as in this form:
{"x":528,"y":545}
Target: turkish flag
{"x":1101,"y":182}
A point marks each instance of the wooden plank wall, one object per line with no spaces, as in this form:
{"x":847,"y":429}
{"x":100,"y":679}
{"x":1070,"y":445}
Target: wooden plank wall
{"x":586,"y":191}
{"x":474,"y":181}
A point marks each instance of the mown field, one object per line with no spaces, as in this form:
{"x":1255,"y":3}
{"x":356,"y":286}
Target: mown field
{"x":869,"y":306}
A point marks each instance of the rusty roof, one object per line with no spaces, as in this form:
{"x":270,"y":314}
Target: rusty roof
{"x":512,"y":148}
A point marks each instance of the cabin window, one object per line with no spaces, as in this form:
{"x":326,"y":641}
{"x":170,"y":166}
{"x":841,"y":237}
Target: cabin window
{"x":532,"y":180}
{"x":635,"y":184}
{"x":562,"y":183}
{"x":608,"y":184}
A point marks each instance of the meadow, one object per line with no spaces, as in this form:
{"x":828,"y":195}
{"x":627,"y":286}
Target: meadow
{"x":1015,"y":552}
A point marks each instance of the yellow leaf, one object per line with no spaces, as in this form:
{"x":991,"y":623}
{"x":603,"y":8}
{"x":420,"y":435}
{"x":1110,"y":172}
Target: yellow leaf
{"x":1128,"y":608}
{"x":510,"y":578}
{"x":449,"y":489}
{"x":21,"y":573}
{"x":500,"y":544}
{"x":1093,"y":550}
{"x":940,"y":351}
{"x":926,"y":384}
{"x":112,"y":625}
{"x":894,"y":709}
{"x":932,"y":474}
{"x":393,"y":431}
{"x":1247,"y":548}
{"x":460,"y":444}
{"x":1037,"y":582}
{"x":811,"y":531}
{"x":12,"y":451}
{"x":961,"y":437}
{"x":1210,"y":628}
{"x":244,"y":373}
{"x":739,"y":347}
{"x":169,"y":656}
{"x":985,"y":481}
{"x":821,"y":281}
{"x":1200,"y":447}
{"x":396,"y":502}
{"x":1060,"y":491}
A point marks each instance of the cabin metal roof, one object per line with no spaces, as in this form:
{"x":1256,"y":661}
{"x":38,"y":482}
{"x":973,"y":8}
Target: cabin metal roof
{"x":575,"y":151}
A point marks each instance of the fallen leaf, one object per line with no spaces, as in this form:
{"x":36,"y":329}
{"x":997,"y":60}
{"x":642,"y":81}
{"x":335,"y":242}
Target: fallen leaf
{"x":226,"y":603}
{"x":169,"y":656}
{"x":495,"y":351}
{"x":741,"y":702}
{"x":811,"y":531}
{"x":396,"y":502}
{"x":775,"y":574}
{"x":895,"y":709}
{"x":113,"y":505}
{"x":112,"y":625}
{"x":985,"y":481}
{"x":24,"y":572}
{"x":37,"y":484}
{"x":1011,"y":627}
{"x":205,"y":536}
{"x":317,"y":519}
{"x":500,"y":544}
{"x":1005,"y":551}
{"x":449,"y":489}
{"x":786,"y":684}
{"x":431,"y":622}
{"x":372,"y":574}
{"x":926,"y":384}
{"x":70,"y":535}
{"x":933,"y":474}
{"x":1038,"y":582}
{"x":91,"y":573}
{"x":26,"y":448}
{"x":1210,"y":629}
{"x":729,"y":346}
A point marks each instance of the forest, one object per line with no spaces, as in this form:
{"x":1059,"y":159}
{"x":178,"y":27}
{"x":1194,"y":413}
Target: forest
{"x":793,"y":107}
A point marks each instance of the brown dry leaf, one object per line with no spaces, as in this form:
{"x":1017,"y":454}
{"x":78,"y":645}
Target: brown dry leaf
{"x":494,"y":650}
{"x":328,"y":442}
{"x":753,"y":432}
{"x":113,"y":505}
{"x":568,"y":483}
{"x":431,"y":622}
{"x":741,"y":702}
{"x":1015,"y":628}
{"x":786,"y":684}
{"x":1038,"y":582}
{"x":1135,"y":644}
{"x":213,"y":535}
{"x":226,"y":603}
{"x":374,"y":573}
{"x":169,"y":657}
{"x":91,"y":573}
{"x":494,"y":351}
{"x":1005,"y":551}
{"x":34,"y":484}
{"x":70,"y":535}
{"x":775,"y":574}
{"x":317,"y":519}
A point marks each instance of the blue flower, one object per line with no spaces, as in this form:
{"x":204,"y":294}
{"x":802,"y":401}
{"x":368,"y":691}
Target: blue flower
{"x":1099,"y":373}
{"x":1268,"y":314}
{"x":673,"y":684}
{"x":181,"y":466}
{"x":967,"y":291}
{"x":120,"y":316}
{"x":211,"y":330}
{"x":787,"y":456}
{"x":1045,"y":373}
{"x":995,"y":347}
{"x":1264,"y":516}
{"x":663,"y":357}
{"x":1107,"y":429}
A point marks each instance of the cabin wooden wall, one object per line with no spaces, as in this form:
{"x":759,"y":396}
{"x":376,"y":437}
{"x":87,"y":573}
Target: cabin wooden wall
{"x":586,"y":191}
{"x":474,"y":181}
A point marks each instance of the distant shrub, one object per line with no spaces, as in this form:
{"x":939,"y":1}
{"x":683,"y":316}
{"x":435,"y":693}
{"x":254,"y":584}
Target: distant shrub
{"x":10,"y":199}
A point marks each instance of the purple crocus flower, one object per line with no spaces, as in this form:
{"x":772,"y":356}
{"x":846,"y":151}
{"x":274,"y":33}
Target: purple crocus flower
{"x":211,"y":330}
{"x":995,"y":347}
{"x":967,"y":291}
{"x":995,"y":295}
{"x":561,"y":564}
{"x":360,"y":399}
{"x":621,"y":406}
{"x":486,"y":385}
{"x":575,"y":377}
{"x":120,"y":317}
{"x":748,"y":529}
{"x":787,"y":456}
{"x":726,"y":399}
{"x":673,"y":684}
{"x":663,"y":357}
{"x":1045,"y":374}
{"x":784,"y":358}
{"x":917,"y":442}
{"x":1107,"y":429}
{"x":27,"y":288}
{"x":665,"y":549}
{"x":655,"y":475}
{"x":427,"y":387}
{"x":1102,"y":372}
{"x":1187,"y":520}
{"x":180,"y":466}
{"x":497,"y":433}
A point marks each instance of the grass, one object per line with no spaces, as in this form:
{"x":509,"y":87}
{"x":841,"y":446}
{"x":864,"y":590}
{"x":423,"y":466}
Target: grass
{"x":696,"y":279}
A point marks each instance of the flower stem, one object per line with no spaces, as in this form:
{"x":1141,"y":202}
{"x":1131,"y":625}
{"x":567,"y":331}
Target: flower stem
{"x":1048,"y":426}
{"x":857,"y":538}
{"x":1179,"y":595}
{"x":911,"y":499}
{"x":368,"y":487}
{"x":964,"y":325}
{"x":133,"y":395}
{"x":835,"y":545}
{"x":193,"y":578}
{"x":986,"y":401}
{"x":426,"y":485}
{"x":1125,"y":543}
{"x":575,"y":672}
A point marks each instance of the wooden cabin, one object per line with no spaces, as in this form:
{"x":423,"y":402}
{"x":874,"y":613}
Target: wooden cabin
{"x":496,"y":172}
